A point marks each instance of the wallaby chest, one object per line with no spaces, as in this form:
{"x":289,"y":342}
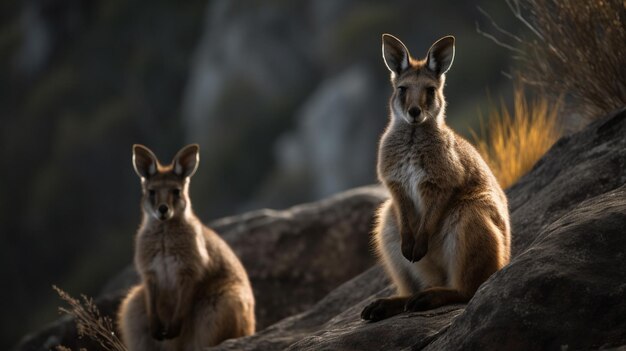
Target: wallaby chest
{"x":400,"y":164}
{"x":166,"y":252}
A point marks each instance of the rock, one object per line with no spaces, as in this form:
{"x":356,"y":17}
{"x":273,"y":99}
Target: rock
{"x":566,"y":285}
{"x":578,"y":167}
{"x":566,"y":291}
{"x":564,"y":288}
{"x":293,"y":258}
{"x":284,"y":333}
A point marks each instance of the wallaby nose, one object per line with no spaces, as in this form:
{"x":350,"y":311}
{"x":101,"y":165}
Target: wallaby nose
{"x":163,"y":209}
{"x":414,"y":112}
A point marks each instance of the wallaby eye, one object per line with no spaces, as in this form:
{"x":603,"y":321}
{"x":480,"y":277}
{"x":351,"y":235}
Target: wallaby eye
{"x":151,"y":192}
{"x":402,"y":90}
{"x":176,"y":192}
{"x":430,"y":96}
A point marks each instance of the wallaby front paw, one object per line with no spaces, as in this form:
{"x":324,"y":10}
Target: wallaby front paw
{"x":407,"y":247}
{"x":381,"y":309}
{"x":156,"y":329}
{"x":418,"y":252}
{"x":375,"y":311}
{"x":172,"y":331}
{"x":417,"y":303}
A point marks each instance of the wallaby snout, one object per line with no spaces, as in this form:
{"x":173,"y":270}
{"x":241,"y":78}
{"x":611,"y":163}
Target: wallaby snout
{"x":165,"y":197}
{"x":164,"y":212}
{"x":414,"y":112}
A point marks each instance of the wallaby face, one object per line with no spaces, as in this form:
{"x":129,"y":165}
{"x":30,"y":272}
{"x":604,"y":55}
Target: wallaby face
{"x":418,"y":84}
{"x":165,"y":188}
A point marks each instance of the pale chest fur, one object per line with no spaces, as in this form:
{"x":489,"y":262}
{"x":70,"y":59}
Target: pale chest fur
{"x":399,"y":163}
{"x":409,"y":173}
{"x":165,"y":253}
{"x":166,"y":268}
{"x":409,"y":157}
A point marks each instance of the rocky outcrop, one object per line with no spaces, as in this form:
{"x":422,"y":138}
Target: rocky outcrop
{"x":564,"y":288}
{"x":567,"y":290}
{"x":295,"y":257}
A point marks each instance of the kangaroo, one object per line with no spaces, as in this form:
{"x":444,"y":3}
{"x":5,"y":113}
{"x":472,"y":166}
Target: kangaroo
{"x":194,"y":292}
{"x":445,"y":228}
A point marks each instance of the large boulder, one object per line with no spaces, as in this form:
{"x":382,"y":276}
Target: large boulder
{"x":297,"y":256}
{"x":565,"y":287}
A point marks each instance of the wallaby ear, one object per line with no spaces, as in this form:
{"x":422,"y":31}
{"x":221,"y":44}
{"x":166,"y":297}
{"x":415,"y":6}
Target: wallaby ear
{"x":186,"y":160}
{"x":144,"y":161}
{"x":395,"y":54}
{"x":440,"y":55}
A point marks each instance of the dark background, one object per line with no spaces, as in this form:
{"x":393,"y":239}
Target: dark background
{"x":286,"y":98}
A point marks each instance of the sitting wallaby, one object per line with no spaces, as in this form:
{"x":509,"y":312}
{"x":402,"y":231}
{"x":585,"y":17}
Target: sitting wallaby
{"x":446,"y":228}
{"x":194,"y":292}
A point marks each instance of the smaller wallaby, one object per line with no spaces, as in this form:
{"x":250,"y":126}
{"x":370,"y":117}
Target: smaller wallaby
{"x":446,"y":228}
{"x":194,"y":292}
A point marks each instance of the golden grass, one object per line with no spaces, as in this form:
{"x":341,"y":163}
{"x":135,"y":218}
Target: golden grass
{"x":90,"y":323}
{"x":571,"y":48}
{"x":517,"y":139}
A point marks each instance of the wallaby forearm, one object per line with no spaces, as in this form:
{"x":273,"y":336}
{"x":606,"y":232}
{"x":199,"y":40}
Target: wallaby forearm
{"x":435,"y":205}
{"x":151,"y":293}
{"x":184,"y":299}
{"x":408,"y":220}
{"x":405,"y":209}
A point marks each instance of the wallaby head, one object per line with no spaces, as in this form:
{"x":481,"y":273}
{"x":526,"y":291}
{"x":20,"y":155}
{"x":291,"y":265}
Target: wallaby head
{"x":165,"y":187}
{"x":418,"y":84}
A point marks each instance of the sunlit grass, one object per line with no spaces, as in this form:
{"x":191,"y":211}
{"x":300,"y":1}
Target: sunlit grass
{"x":90,"y":323}
{"x":571,"y":48}
{"x":515,"y":140}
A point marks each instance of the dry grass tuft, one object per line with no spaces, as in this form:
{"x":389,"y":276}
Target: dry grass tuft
{"x":89,"y":322}
{"x":517,"y":139}
{"x":572,"y":48}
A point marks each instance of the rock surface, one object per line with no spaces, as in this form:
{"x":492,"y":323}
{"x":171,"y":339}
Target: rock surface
{"x":295,"y":257}
{"x":565,"y":287}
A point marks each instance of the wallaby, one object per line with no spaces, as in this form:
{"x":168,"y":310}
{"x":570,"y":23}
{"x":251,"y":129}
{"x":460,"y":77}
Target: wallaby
{"x":446,"y":228}
{"x":194,"y":292}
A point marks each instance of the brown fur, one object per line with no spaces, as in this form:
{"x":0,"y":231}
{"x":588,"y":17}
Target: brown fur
{"x":194,"y":292}
{"x":445,"y":229}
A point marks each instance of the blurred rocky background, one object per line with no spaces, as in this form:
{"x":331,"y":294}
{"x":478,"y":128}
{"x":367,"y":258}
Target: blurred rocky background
{"x":286,"y":98}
